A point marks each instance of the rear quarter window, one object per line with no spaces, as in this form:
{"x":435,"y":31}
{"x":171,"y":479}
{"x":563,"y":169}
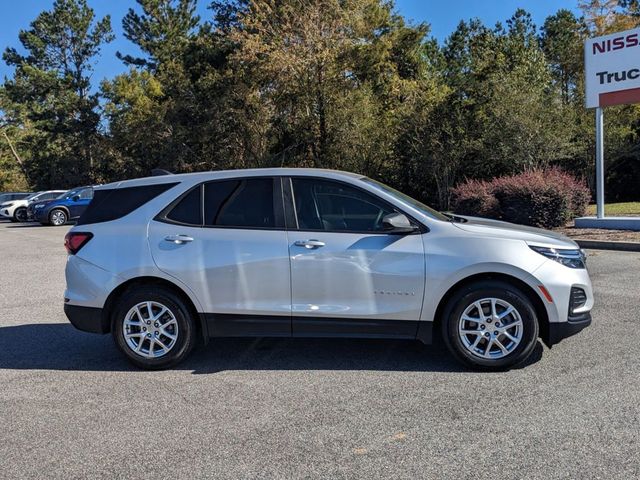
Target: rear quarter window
{"x":111,"y":204}
{"x":188,"y":209}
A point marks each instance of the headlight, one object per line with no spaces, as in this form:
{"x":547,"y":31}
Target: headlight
{"x":39,"y":206}
{"x":572,"y":258}
{"x":6,"y":205}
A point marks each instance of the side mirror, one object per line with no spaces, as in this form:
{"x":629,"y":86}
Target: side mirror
{"x":397,"y":223}
{"x":76,"y":198}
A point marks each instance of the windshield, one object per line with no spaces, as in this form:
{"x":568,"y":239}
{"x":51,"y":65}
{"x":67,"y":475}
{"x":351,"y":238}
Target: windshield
{"x":427,"y":210}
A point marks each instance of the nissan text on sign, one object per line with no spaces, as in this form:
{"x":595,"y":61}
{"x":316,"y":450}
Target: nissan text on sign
{"x":612,"y":69}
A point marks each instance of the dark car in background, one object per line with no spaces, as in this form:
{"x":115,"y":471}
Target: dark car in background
{"x":68,"y":206}
{"x":33,"y":206}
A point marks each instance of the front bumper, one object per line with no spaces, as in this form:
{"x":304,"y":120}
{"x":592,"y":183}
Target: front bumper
{"x":560,"y":331}
{"x":565,"y":318}
{"x":41,"y":215}
{"x":87,"y":319}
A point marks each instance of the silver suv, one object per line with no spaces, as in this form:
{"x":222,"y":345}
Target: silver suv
{"x":162,"y":262}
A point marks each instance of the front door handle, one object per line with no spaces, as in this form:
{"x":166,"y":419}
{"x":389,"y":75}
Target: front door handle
{"x":178,"y":239}
{"x":310,"y":244}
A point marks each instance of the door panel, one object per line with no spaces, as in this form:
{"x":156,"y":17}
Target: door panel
{"x":231,"y":271}
{"x":358,"y":276}
{"x":77,"y":208}
{"x":348,"y":277}
{"x":235,"y":257}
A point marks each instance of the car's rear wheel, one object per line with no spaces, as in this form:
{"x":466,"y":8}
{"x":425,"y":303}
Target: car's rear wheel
{"x":57,"y":217}
{"x":153,"y":327}
{"x":490,"y":325}
{"x":20,"y":215}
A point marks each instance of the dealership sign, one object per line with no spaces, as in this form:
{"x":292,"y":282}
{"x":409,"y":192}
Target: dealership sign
{"x":612,"y":69}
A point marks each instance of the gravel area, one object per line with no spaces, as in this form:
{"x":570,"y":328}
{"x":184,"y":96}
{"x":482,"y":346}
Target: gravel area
{"x":600,"y":234}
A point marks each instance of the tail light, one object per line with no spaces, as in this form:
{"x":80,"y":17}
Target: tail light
{"x":74,"y":241}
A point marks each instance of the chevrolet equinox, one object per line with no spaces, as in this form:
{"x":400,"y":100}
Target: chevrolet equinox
{"x":164,"y":261}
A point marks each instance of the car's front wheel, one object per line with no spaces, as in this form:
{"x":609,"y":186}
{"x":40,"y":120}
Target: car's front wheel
{"x":20,"y":215}
{"x":490,"y":325}
{"x":57,"y":217}
{"x":153,"y":327}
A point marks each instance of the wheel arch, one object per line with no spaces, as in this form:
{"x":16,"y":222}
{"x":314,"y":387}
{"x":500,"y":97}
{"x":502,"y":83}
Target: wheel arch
{"x":111,"y":301}
{"x":532,"y":295}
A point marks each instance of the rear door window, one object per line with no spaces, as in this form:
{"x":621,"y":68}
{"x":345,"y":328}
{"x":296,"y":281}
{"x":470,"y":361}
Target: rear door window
{"x":241,"y":203}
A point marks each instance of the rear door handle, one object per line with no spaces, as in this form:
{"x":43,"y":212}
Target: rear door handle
{"x":178,"y":239}
{"x":310,"y":244}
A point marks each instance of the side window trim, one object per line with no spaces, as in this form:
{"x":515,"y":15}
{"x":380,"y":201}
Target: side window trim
{"x":291,"y":216}
{"x":291,"y":204}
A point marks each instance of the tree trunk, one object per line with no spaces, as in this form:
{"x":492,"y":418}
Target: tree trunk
{"x":16,"y":156}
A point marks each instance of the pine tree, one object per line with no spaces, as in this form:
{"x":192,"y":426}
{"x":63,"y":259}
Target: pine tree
{"x":50,"y":93}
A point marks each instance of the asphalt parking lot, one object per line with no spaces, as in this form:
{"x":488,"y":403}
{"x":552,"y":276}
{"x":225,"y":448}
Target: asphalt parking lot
{"x":71,"y":406}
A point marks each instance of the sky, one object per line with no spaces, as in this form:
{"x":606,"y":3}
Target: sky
{"x":442,"y":15}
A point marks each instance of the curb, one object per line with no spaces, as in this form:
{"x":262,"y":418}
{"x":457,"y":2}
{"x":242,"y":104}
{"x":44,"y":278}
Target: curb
{"x":606,"y":245}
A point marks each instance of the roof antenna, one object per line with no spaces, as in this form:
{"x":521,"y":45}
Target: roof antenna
{"x":158,"y":172}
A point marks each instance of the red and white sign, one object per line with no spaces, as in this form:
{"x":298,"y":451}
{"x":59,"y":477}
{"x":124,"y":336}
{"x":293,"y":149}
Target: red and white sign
{"x":612,"y":69}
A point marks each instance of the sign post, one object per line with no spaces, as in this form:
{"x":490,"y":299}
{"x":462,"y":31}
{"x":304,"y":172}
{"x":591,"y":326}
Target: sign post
{"x":612,"y":77}
{"x":599,"y":162}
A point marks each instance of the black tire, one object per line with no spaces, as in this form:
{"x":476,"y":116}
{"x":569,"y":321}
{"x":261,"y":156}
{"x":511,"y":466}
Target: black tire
{"x":58,"y":213}
{"x":186,"y":331}
{"x":20,"y":215}
{"x":490,"y":289}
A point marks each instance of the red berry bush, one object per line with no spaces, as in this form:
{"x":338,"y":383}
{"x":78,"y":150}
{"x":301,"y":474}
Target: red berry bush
{"x":541,"y":198}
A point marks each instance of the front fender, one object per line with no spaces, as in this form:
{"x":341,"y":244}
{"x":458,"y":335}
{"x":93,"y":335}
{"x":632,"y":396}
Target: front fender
{"x":450,"y":261}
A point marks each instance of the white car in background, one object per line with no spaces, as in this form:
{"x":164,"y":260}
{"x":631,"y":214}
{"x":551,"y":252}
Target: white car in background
{"x":16,"y":210}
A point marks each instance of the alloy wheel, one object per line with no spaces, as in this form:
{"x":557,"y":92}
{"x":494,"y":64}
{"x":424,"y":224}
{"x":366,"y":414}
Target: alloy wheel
{"x":58,"y":217}
{"x":150,"y":329}
{"x":490,"y":328}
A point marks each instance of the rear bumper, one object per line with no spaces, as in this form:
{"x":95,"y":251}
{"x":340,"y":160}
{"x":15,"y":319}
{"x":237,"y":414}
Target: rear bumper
{"x":87,"y":319}
{"x":560,"y":331}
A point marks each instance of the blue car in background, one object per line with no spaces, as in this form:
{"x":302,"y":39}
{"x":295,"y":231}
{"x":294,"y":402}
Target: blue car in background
{"x":68,"y":206}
